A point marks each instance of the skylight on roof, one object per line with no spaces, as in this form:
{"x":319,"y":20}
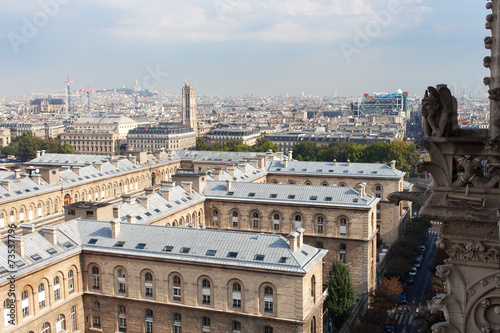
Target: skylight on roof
{"x":169,"y":206}
{"x":185,"y":250}
{"x":328,"y":199}
{"x":119,"y":244}
{"x":157,"y":210}
{"x":360,"y":171}
{"x":211,"y":253}
{"x":147,"y":214}
{"x":304,"y":169}
{"x":92,"y":241}
{"x":177,"y":202}
{"x":168,"y":249}
{"x":140,"y":246}
{"x":252,"y":194}
{"x":330,"y":170}
{"x":313,"y":197}
{"x":346,"y":171}
{"x":259,"y":257}
{"x":273,"y":195}
{"x":374,"y":171}
{"x":3,"y":270}
{"x":282,"y":260}
{"x":51,"y":251}
{"x":19,"y":263}
{"x":36,"y":188}
{"x":319,"y":170}
{"x":68,"y":245}
{"x":232,"y":254}
{"x":291,"y":196}
{"x":36,"y":257}
{"x":304,"y":253}
{"x":138,"y":218}
{"x":230,"y":193}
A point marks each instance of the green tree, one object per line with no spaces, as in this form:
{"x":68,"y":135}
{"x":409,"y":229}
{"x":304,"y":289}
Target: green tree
{"x":355,"y":153}
{"x":340,"y":294}
{"x":307,"y":149}
{"x":25,"y":146}
{"x":405,"y":155}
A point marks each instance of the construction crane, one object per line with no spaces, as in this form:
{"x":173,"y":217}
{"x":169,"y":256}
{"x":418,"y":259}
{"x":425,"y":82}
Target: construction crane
{"x":68,"y":93}
{"x":88,"y":95}
{"x":136,"y":105}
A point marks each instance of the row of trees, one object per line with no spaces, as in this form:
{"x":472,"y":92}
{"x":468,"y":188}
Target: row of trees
{"x":403,"y":252}
{"x":24,"y":147}
{"x":404,"y":153}
{"x":262,"y":145}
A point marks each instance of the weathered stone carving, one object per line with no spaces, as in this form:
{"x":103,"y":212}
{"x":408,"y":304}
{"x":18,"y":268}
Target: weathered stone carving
{"x":416,"y":197}
{"x":443,"y":271}
{"x":470,"y":251}
{"x":486,"y":328}
{"x":487,"y":62}
{"x":439,"y":109}
{"x":485,"y":303}
{"x":487,"y":42}
{"x":443,"y":327}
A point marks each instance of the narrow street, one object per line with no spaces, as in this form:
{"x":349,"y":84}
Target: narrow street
{"x":421,"y":286}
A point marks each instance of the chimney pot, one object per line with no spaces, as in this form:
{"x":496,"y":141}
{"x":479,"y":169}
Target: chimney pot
{"x":27,"y":228}
{"x":115,"y":227}
{"x":228,"y":185}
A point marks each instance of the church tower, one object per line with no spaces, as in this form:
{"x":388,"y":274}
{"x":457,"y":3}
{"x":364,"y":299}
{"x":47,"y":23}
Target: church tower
{"x":189,"y":107}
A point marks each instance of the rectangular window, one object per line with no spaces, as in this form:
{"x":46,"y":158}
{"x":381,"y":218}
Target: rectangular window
{"x":96,"y":321}
{"x":268,"y":306}
{"x":122,"y":324}
{"x":343,"y":230}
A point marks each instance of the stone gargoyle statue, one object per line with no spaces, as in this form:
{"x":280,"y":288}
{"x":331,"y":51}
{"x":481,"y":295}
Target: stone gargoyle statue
{"x":439,"y":111}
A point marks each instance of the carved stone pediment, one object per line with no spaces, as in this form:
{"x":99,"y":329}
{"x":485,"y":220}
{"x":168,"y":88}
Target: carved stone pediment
{"x":476,"y":251}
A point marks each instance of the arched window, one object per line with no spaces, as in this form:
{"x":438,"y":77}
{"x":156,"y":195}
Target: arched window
{"x":148,"y":324}
{"x":122,"y":319}
{"x":7,"y":305}
{"x":255,"y":220}
{"x":313,"y":325}
{"x":268,"y":300}
{"x":148,"y":285}
{"x":57,"y":289}
{"x":378,"y":212}
{"x":324,"y":184}
{"x":378,"y":191}
{"x":109,"y":190}
{"x":276,"y":222}
{"x":236,"y":295}
{"x":12,"y":217}
{"x":30,"y":213}
{"x":76,"y":197}
{"x":21,"y":215}
{"x":343,"y":226}
{"x":56,"y":205}
{"x":206,"y":324}
{"x":71,"y":286}
{"x":307,"y":182}
{"x":39,"y":210}
{"x":96,"y":316}
{"x":313,"y":288}
{"x":121,"y":281}
{"x":25,"y":303}
{"x":177,"y":288}
{"x":41,"y":296}
{"x":47,"y":207}
{"x":236,"y":327}
{"x":205,"y":292}
{"x":67,"y":199}
{"x":45,"y":328}
{"x":82,"y":197}
{"x":73,"y":317}
{"x":342,"y":184}
{"x":2,"y":220}
{"x":298,"y":221}
{"x":177,"y":323}
{"x":342,"y":253}
{"x":215,"y":218}
{"x":268,"y":329}
{"x":95,"y":278}
{"x":120,"y":188}
{"x":319,"y":225}
{"x":60,"y":323}
{"x":235,"y":219}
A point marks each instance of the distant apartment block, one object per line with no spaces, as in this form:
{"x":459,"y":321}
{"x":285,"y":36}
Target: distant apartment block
{"x":222,"y":135}
{"x":169,"y":136}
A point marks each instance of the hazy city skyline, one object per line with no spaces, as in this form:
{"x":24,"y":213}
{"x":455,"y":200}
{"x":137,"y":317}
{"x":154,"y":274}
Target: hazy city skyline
{"x":235,"y":47}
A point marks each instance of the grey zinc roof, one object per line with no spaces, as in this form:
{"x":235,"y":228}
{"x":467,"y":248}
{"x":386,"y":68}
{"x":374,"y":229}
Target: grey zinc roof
{"x":36,"y":244}
{"x":364,"y":170}
{"x":158,"y":207}
{"x":215,"y":156}
{"x":281,"y":193}
{"x":249,"y":174}
{"x":199,"y":241}
{"x":67,"y":159}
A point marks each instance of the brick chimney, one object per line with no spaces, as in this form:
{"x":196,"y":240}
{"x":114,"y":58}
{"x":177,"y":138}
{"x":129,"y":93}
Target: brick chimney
{"x":243,"y":167}
{"x":98,"y":166}
{"x":116,"y":211}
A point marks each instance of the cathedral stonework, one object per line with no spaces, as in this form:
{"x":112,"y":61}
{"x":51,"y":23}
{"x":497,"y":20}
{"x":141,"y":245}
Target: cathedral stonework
{"x":465,"y":196}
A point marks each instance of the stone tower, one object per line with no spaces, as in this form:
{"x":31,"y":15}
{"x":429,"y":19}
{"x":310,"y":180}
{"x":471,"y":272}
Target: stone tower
{"x":465,"y":195}
{"x":189,"y":107}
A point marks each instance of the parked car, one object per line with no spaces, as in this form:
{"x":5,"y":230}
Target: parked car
{"x":413,"y":271}
{"x":410,"y":279}
{"x":419,"y":259}
{"x":402,"y":298}
{"x":390,"y":325}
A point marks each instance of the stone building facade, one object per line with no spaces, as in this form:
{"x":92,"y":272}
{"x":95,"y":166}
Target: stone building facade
{"x":168,"y":136}
{"x":140,"y":278}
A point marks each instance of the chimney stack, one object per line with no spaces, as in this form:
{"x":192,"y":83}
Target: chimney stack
{"x":18,"y":245}
{"x":361,"y":189}
{"x":393,"y":165}
{"x":228,"y":185}
{"x":50,"y":233}
{"x":17,"y":173}
{"x":115,"y":227}
{"x":348,"y":162}
{"x":279,"y":154}
{"x":243,"y":167}
{"x":292,"y":238}
{"x":116,"y":211}
{"x":42,"y":153}
{"x":300,"y":238}
{"x":334,"y":162}
{"x":230,"y":171}
{"x":37,"y":178}
{"x":77,"y":170}
{"x":188,"y":186}
{"x":144,"y":201}
{"x":131,"y":218}
{"x":38,"y":153}
{"x":285,"y":163}
{"x":165,"y":193}
{"x":27,"y":228}
{"x":133,"y":159}
{"x":290,"y":153}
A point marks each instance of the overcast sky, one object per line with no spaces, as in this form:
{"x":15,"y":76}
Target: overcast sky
{"x":242,"y":47}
